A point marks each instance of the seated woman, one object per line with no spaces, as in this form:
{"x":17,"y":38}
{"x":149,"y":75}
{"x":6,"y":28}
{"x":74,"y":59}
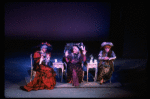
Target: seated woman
{"x":74,"y":67}
{"x":45,"y":76}
{"x":106,"y":66}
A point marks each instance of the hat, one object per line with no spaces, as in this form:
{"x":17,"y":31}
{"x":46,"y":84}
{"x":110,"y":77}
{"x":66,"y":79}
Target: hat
{"x":107,"y":43}
{"x":47,"y":46}
{"x":42,"y":45}
{"x":78,"y":45}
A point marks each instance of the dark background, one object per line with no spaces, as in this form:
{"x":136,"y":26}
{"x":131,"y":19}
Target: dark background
{"x":27,"y":24}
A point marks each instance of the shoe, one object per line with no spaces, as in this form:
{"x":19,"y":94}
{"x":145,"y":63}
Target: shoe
{"x":77,"y":86}
{"x":22,"y":88}
{"x":70,"y":81}
{"x":101,"y":81}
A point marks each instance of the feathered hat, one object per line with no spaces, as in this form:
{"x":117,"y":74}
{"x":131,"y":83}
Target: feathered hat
{"x":47,"y":46}
{"x":69,"y":46}
{"x":43,"y":45}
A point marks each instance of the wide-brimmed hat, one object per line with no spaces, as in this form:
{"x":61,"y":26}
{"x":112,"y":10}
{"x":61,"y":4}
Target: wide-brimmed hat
{"x":107,"y":43}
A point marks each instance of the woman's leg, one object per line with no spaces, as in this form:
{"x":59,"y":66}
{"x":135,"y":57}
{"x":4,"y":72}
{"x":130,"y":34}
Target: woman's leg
{"x":75,"y":78}
{"x":69,"y":75}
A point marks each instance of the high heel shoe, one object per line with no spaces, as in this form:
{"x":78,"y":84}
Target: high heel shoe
{"x":101,"y":81}
{"x":70,"y":81}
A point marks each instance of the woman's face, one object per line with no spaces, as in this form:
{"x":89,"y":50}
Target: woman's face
{"x":107,"y":48}
{"x":75,"y":49}
{"x":44,"y":50}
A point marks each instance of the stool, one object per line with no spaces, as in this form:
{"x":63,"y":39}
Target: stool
{"x":92,"y":65}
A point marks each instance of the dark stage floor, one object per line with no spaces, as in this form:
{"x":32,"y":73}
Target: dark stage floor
{"x":130,"y":75}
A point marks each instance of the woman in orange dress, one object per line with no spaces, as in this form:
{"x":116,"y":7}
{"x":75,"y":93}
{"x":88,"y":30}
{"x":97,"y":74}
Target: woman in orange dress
{"x":45,"y":75}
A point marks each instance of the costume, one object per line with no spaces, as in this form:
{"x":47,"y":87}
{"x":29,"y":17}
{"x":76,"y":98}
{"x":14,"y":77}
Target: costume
{"x":106,"y":67}
{"x":45,"y":75}
{"x":75,"y":54}
{"x":74,"y":68}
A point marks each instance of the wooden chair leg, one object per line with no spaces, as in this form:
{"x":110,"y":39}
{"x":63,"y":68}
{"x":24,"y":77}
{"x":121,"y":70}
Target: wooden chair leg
{"x":83,"y":76}
{"x":62,"y":75}
{"x":87,"y":75}
{"x":110,"y":77}
{"x":110,"y":80}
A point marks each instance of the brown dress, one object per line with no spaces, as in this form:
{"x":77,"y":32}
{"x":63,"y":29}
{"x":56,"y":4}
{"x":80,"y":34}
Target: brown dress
{"x":105,"y":67}
{"x":74,"y":68}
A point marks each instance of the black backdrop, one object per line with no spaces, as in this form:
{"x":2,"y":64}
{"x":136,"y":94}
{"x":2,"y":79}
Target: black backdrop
{"x":127,"y":32}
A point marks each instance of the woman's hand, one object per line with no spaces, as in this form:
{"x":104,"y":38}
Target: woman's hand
{"x":47,"y":57}
{"x":41,"y":59}
{"x":83,"y":50}
{"x":66,"y":53}
{"x":106,"y":58}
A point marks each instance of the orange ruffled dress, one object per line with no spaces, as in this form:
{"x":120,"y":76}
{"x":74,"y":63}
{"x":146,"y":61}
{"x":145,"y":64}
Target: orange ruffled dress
{"x":44,"y":78}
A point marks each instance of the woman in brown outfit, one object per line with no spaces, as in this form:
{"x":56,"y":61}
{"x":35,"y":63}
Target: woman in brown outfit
{"x":106,"y":58}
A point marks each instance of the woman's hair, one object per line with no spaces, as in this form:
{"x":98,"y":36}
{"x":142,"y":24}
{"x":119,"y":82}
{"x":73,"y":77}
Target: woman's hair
{"x":44,"y":46}
{"x":108,"y":46}
{"x":76,"y":48}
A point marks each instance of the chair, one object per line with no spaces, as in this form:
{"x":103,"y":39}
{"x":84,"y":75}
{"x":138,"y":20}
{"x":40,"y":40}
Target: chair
{"x":83,"y":72}
{"x":111,"y":76}
{"x":65,"y":70}
{"x":33,"y":73}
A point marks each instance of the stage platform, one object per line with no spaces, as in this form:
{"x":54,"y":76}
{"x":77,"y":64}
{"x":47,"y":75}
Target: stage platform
{"x":89,"y":85}
{"x":83,"y":84}
{"x":128,"y":80}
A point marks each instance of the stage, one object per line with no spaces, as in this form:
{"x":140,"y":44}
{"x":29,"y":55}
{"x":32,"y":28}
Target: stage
{"x":28,"y":24}
{"x":128,"y":80}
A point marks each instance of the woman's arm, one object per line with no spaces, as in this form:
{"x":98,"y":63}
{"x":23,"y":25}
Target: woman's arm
{"x":66,"y":57}
{"x":100,"y":56}
{"x":84,"y":58}
{"x":48,"y":56}
{"x":36,"y":57}
{"x":113,"y":56}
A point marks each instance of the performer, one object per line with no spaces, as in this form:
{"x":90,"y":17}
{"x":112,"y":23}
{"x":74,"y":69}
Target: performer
{"x":74,"y":65}
{"x":106,"y":66}
{"x":45,"y":76}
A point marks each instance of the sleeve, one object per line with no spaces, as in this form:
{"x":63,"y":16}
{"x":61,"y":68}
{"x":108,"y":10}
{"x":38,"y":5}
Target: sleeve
{"x":68,"y":58}
{"x":113,"y":56}
{"x":36,"y":57}
{"x":84,"y":58}
{"x":48,"y":57}
{"x":100,"y":55}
